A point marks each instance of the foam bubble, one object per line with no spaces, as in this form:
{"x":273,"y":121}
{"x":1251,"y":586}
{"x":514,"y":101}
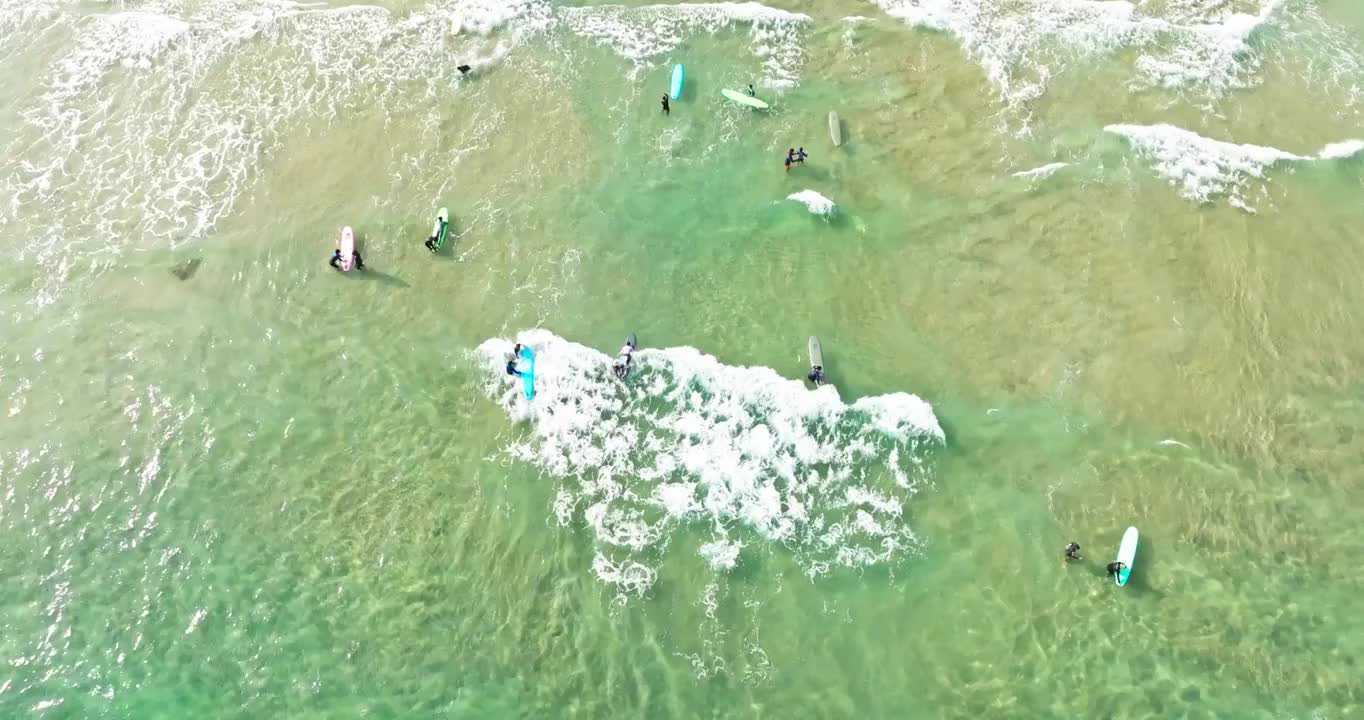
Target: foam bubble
{"x":690,"y":441}
{"x":814,"y":202}
{"x":1204,"y":169}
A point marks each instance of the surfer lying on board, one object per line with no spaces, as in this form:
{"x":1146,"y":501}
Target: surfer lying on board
{"x":511,"y":360}
{"x":335,"y":262}
{"x":1116,"y":567}
{"x":1073,"y":552}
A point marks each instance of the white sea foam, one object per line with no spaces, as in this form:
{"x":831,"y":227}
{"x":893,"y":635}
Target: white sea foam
{"x":1039,"y":173}
{"x":1204,"y":169}
{"x":731,"y":450}
{"x":814,"y":202}
{"x":1023,"y":44}
{"x":640,"y":33}
{"x":1341,"y":150}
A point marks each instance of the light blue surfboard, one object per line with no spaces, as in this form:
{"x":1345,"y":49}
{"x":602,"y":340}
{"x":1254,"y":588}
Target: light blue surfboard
{"x":676,"y":91}
{"x":527,"y":369}
{"x":1127,"y":554}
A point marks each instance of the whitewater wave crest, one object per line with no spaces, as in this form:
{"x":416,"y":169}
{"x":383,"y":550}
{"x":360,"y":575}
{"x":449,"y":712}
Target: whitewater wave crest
{"x":739,"y":454}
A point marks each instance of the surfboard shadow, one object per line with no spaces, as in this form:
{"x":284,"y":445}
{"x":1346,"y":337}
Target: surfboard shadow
{"x":380,"y":276}
{"x":1139,"y":582}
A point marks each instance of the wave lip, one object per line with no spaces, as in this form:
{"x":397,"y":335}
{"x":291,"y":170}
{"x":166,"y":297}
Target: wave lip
{"x":1204,"y":169}
{"x":741,"y":453}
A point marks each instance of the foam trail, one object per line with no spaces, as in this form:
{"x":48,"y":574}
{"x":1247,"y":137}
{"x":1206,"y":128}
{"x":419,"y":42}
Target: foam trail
{"x":1039,"y":173}
{"x":640,"y":33}
{"x":814,"y":202}
{"x":1204,"y":169}
{"x":1022,"y":45}
{"x":738,"y":452}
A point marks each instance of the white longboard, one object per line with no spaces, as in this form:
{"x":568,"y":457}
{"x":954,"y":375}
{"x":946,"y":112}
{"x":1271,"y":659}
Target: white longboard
{"x":347,"y":246}
{"x":1127,"y":554}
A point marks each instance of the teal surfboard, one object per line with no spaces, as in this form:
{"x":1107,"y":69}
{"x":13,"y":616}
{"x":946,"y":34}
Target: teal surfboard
{"x":676,"y":90}
{"x":1127,"y":554}
{"x":743,"y":99}
{"x":441,"y":230}
{"x":527,"y":368}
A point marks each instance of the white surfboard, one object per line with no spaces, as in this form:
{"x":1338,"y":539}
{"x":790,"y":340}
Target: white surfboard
{"x":1127,"y":554}
{"x":347,"y":246}
{"x":457,"y":22}
{"x":835,"y":129}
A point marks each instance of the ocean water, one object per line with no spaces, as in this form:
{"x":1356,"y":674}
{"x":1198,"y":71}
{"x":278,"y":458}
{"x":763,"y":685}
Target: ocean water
{"x":1077,"y":266}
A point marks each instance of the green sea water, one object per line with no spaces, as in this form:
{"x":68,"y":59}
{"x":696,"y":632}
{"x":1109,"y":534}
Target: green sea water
{"x":237,"y":484}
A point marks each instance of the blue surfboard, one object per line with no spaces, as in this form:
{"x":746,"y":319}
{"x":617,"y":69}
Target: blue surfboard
{"x":528,"y":371}
{"x":677,"y":82}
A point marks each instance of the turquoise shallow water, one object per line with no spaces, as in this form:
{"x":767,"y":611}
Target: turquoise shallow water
{"x":270,"y":490}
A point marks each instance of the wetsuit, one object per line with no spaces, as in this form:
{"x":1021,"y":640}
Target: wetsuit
{"x":1116,"y":567}
{"x":431,"y":241}
{"x":336,"y":259}
{"x":666,"y":109}
{"x":817,"y":375}
{"x":1073,"y":551}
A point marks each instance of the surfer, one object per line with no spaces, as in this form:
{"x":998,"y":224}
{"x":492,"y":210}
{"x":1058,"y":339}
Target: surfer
{"x":431,"y":241}
{"x":816,"y":375}
{"x":335,"y":262}
{"x":800,"y":156}
{"x":790,"y":158}
{"x":621,"y":367}
{"x":666,"y":109}
{"x":511,"y":360}
{"x":1116,"y":567}
{"x":1072,"y":552}
{"x":750,"y":91}
{"x":464,"y":69}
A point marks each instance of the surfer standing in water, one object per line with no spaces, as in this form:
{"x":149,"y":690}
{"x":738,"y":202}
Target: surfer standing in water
{"x":750,"y":91}
{"x":335,"y":262}
{"x":666,"y":110}
{"x":800,"y":156}
{"x":817,"y":375}
{"x":1072,"y":552}
{"x":1116,"y":567}
{"x":511,"y":361}
{"x":790,"y":158}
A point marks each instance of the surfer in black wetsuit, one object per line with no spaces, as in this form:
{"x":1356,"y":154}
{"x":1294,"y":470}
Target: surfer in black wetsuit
{"x":750,"y":91}
{"x":817,"y":375}
{"x":511,"y":360}
{"x":1116,"y":567}
{"x":1072,"y":552}
{"x":335,"y":262}
{"x":666,"y":109}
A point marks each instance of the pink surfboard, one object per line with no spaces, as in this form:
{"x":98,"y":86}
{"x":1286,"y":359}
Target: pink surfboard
{"x":347,"y":248}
